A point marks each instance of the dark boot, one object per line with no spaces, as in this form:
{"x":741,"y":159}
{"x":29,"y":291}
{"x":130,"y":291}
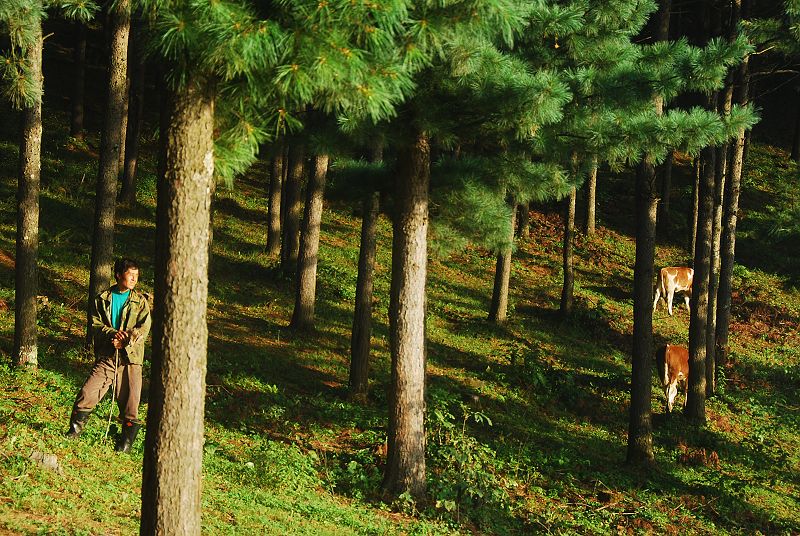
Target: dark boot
{"x":128,"y":436}
{"x":76,"y":423}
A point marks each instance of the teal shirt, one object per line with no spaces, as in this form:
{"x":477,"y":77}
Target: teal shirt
{"x":118,"y":300}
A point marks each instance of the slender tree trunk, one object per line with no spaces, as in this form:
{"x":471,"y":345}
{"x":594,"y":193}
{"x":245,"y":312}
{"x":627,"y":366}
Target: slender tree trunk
{"x":590,"y":221}
{"x":173,"y":454}
{"x":666,"y":190}
{"x":498,"y":310}
{"x":696,"y":399}
{"x":306,"y":286}
{"x":524,"y":223}
{"x":284,"y":182}
{"x":405,"y":464}
{"x":274,"y":210}
{"x":26,"y":273}
{"x":732,"y":190}
{"x":136,"y":69}
{"x":110,"y":149}
{"x":796,"y":141}
{"x":362,"y":316}
{"x":640,"y":427}
{"x":698,"y":171}
{"x":78,"y":81}
{"x":720,"y":174}
{"x":568,"y":257}
{"x":293,"y":210}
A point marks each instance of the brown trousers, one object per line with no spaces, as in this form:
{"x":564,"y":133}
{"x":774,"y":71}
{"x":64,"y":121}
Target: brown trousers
{"x":128,"y":389}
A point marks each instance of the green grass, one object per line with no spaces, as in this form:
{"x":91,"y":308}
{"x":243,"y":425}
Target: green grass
{"x":527,"y":421}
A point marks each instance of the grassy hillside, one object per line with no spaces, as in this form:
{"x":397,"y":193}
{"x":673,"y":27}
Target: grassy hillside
{"x":527,"y":422}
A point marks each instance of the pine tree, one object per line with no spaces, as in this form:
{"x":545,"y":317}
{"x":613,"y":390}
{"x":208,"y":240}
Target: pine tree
{"x":472,"y":71}
{"x":275,"y":196}
{"x":111,"y":147}
{"x":23,"y":85}
{"x":230,"y":72}
{"x":78,"y":82}
{"x":362,"y":313}
{"x":136,"y":74}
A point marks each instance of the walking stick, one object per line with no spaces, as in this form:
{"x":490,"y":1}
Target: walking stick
{"x":113,"y":391}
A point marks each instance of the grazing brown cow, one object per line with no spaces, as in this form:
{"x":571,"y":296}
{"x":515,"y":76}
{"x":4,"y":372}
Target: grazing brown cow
{"x":671,"y":280}
{"x":672,"y":363}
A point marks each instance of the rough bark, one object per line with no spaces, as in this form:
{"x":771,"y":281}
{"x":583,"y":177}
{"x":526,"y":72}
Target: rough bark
{"x":498,"y":310}
{"x":78,"y":83}
{"x":590,"y":222}
{"x":568,"y":256}
{"x":362,"y":316}
{"x":274,"y":208}
{"x":173,"y":455}
{"x":696,"y":399}
{"x":405,"y":464}
{"x":306,"y":282}
{"x":110,"y":150}
{"x":293,"y":209}
{"x":640,"y":427}
{"x":26,"y":272}
{"x":136,"y":70}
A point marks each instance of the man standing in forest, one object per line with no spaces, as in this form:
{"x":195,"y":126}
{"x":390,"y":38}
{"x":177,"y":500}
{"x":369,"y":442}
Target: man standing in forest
{"x":120,"y":324}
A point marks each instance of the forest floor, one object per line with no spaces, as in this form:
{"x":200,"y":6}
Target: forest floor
{"x":527,"y":422}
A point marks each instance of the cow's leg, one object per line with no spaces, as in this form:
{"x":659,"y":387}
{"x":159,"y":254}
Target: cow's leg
{"x":686,"y":299}
{"x":671,"y":392}
{"x":670,"y":295}
{"x":658,"y":295}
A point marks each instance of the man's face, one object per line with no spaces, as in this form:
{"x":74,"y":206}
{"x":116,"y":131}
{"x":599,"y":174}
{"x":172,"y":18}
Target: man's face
{"x":128,"y":280}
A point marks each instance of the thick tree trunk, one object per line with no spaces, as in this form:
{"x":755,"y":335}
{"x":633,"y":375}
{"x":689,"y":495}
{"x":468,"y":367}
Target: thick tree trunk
{"x":362,"y":316}
{"x":274,"y":208}
{"x":136,"y":69}
{"x":26,"y":273}
{"x":640,"y":427}
{"x":293,"y":209}
{"x":696,"y":399}
{"x":498,"y":310}
{"x":306,"y":282}
{"x":405,"y":464}
{"x":590,"y":222}
{"x":568,"y":256}
{"x":78,"y":83}
{"x":110,"y":150}
{"x":173,"y":455}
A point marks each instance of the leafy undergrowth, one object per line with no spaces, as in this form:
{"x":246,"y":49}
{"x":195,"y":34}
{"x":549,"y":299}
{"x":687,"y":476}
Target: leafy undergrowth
{"x":527,"y":421}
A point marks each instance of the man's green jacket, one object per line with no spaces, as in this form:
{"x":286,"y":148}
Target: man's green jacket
{"x":136,"y":321}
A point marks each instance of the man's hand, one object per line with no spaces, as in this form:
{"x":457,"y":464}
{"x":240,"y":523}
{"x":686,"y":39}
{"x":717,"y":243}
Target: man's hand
{"x":120,"y":339}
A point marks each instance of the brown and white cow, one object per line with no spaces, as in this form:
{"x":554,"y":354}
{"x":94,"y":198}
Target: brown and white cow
{"x":671,"y":280}
{"x":672,"y":363}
